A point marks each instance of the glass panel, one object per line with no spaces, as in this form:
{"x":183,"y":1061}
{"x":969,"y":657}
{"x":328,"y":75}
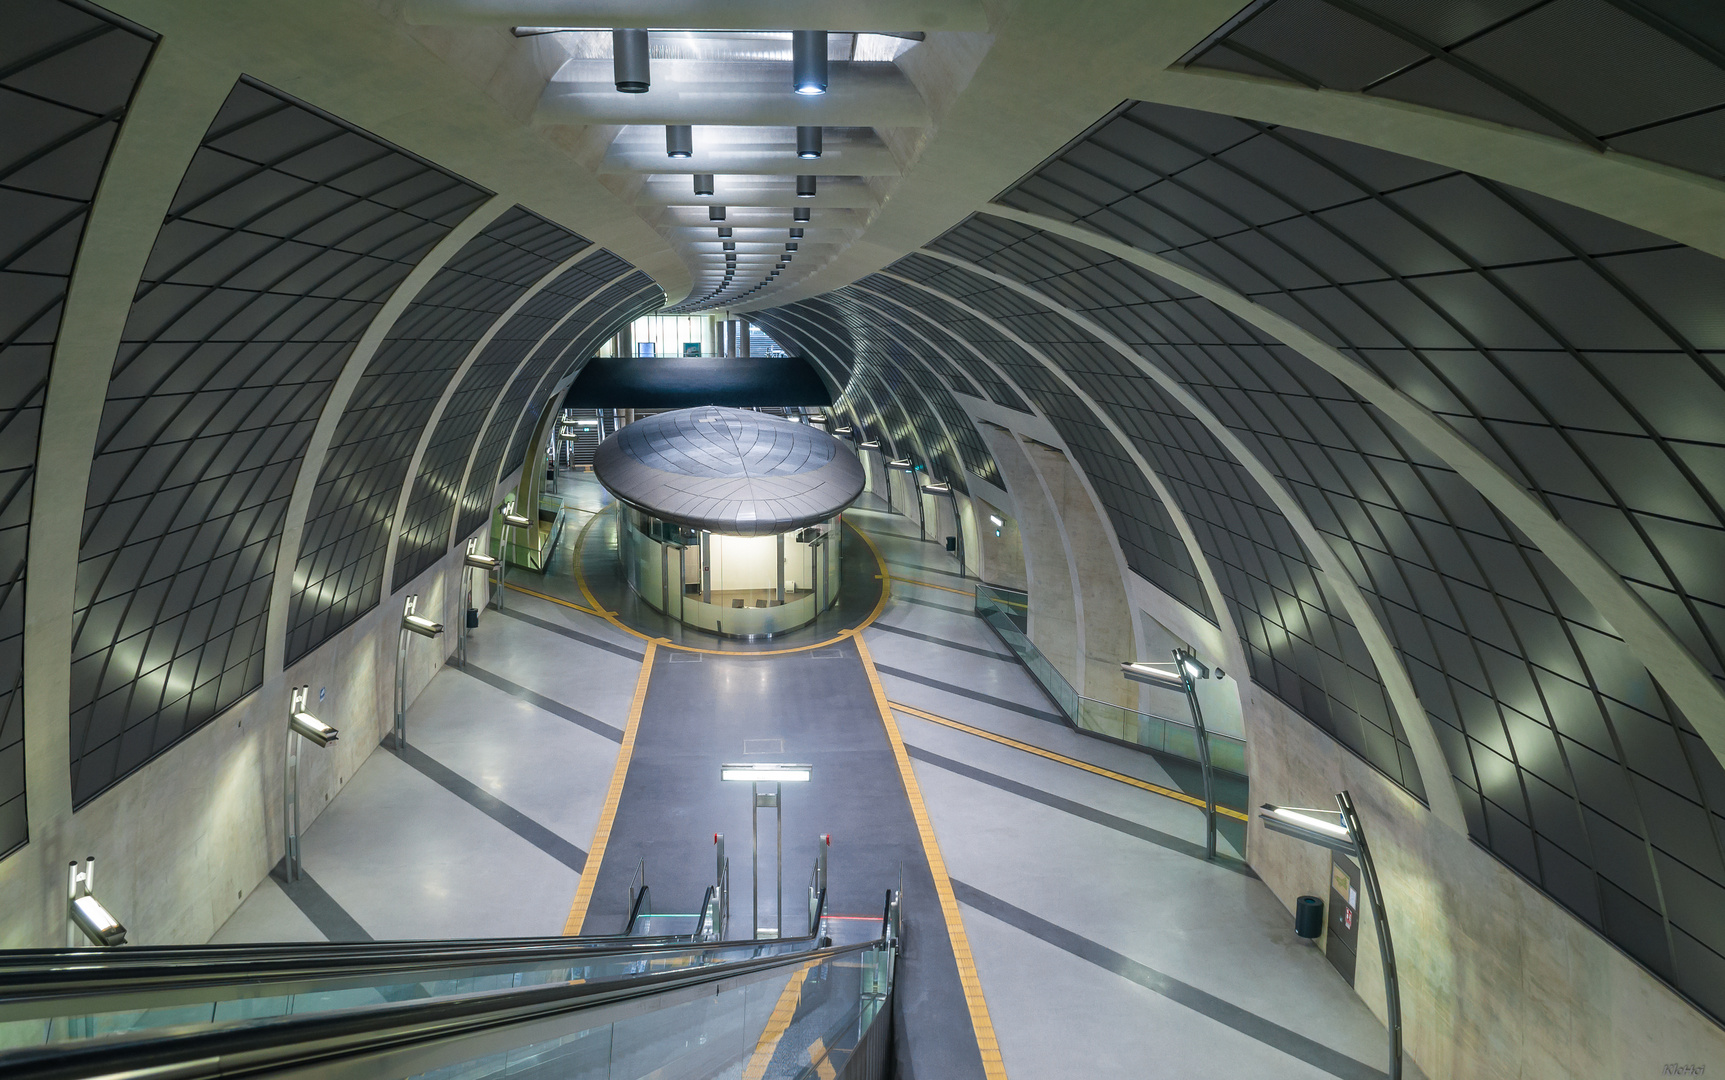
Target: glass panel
{"x":250,"y":1000}
{"x":1007,"y":612}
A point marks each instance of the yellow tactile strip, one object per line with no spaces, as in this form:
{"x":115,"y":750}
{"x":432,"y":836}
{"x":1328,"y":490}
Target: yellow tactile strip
{"x":1098,"y":770}
{"x":598,"y":609}
{"x":986,"y":1042}
{"x":608,"y":813}
{"x":777,"y":1024}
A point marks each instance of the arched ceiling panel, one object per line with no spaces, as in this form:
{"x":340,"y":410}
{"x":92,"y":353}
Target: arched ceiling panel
{"x":339,"y":572}
{"x":426,"y":530}
{"x":587,"y":278}
{"x":286,"y":235}
{"x":1575,"y":352}
{"x":1643,"y":77}
{"x":637,"y":295}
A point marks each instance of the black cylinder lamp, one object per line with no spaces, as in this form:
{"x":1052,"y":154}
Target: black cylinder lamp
{"x":808,"y":142}
{"x":679,"y":141}
{"x":629,"y":50}
{"x":703,"y":183}
{"x":799,"y":213}
{"x":805,"y":187}
{"x":808,"y":61}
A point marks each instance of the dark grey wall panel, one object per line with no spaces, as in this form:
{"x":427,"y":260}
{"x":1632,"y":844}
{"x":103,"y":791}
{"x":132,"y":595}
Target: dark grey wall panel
{"x":1581,"y":355}
{"x":588,"y":275}
{"x":286,"y":235}
{"x":425,"y":530}
{"x":903,"y":368}
{"x":67,"y":73}
{"x":339,"y":572}
{"x":647,"y":298}
{"x":1644,"y":77}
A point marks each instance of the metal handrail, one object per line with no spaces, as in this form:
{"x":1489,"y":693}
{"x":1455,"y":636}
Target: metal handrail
{"x":324,"y":1040}
{"x":636,"y":911}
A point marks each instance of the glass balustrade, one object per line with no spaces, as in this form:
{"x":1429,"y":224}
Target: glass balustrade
{"x":1007,"y":612}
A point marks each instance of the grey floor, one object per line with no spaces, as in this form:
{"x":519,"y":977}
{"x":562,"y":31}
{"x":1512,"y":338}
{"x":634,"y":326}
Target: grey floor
{"x":1106,"y":946}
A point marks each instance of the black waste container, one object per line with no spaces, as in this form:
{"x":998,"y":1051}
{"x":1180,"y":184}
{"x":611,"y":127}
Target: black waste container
{"x":1308,"y":916}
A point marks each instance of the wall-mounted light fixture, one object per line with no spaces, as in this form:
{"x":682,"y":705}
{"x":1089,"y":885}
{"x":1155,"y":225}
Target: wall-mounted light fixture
{"x":679,"y":141}
{"x":1181,"y":677}
{"x":799,"y":213}
{"x":995,"y":521}
{"x":88,"y":915}
{"x":512,"y":520}
{"x":715,"y":213}
{"x":808,"y":142}
{"x":703,"y":183}
{"x":791,"y":246}
{"x":768,"y":779}
{"x":631,"y":64}
{"x":302,"y":727}
{"x":805,"y":187}
{"x":474,"y":559}
{"x":796,"y":234}
{"x":1340,"y":830}
{"x":411,"y":625}
{"x":808,"y":61}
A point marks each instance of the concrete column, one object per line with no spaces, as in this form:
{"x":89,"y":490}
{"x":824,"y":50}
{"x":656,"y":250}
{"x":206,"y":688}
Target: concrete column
{"x":1000,"y":560}
{"x":1054,"y":606}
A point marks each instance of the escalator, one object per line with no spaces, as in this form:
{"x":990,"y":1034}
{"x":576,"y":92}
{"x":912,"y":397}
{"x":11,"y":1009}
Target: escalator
{"x":613,"y":1007}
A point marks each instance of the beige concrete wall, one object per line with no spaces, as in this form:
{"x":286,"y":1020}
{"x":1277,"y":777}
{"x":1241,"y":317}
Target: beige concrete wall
{"x":1109,"y":636}
{"x":1002,"y":559}
{"x":1054,"y":625}
{"x":1496,"y":980}
{"x":180,"y":842}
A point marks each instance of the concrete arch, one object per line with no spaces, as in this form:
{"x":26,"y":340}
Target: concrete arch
{"x":1644,"y":633}
{"x":299,"y":505}
{"x":449,"y":388}
{"x":1201,"y":564}
{"x":176,"y":100}
{"x":1422,"y":738}
{"x":1662,"y":199}
{"x":485,"y":425}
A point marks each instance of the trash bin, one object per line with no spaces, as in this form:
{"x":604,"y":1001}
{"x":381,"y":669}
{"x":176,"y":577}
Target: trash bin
{"x":1308,"y":916}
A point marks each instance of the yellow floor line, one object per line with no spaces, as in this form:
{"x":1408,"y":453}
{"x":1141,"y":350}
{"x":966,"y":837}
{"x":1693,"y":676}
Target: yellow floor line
{"x":608,"y":813}
{"x":986,"y":1042}
{"x":931,"y":585}
{"x":1098,"y":770}
{"x":611,"y":616}
{"x":552,"y":599}
{"x":821,"y":1059}
{"x":777,"y":1024}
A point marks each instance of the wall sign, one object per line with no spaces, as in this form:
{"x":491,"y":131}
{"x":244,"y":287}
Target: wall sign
{"x":1342,"y":929}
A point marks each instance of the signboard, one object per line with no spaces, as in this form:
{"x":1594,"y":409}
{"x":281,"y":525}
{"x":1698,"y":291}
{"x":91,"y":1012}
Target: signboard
{"x":1342,"y":929}
{"x":691,"y":348}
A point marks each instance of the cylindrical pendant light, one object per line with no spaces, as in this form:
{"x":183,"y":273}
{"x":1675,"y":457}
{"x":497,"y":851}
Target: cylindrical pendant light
{"x":800,"y":213}
{"x":729,"y":245}
{"x":808,"y":61}
{"x":796,"y":234}
{"x":790,"y":247}
{"x":805,"y":187}
{"x":679,"y":140}
{"x":629,"y":51}
{"x":703,"y":183}
{"x":715,"y":213}
{"x":808,"y":142}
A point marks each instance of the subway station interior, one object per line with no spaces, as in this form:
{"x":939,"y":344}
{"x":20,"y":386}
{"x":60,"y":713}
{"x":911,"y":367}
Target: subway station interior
{"x":862,"y":539}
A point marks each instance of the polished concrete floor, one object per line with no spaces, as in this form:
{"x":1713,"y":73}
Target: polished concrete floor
{"x":1104,"y":943}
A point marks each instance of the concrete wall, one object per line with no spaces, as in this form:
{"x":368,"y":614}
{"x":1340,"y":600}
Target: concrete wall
{"x":1496,"y":980}
{"x":1002,"y":557}
{"x":1096,"y":567}
{"x":180,"y":842}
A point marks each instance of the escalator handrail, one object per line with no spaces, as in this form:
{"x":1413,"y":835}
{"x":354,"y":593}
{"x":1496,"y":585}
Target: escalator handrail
{"x":26,"y":992}
{"x":635,"y":910}
{"x":304,"y":1040}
